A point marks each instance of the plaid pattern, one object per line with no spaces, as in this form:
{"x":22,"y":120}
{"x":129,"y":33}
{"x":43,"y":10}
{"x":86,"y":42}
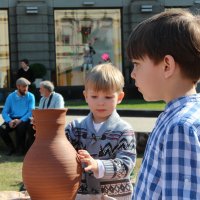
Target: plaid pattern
{"x":171,"y":164}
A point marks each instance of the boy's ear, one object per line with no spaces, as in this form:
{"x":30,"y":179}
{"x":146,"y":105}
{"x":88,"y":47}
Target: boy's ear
{"x":85,"y":95}
{"x":169,"y":66}
{"x":120,"y":97}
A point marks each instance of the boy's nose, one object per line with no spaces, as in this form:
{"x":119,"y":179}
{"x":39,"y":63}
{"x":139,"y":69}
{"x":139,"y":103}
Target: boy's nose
{"x":133,"y":76}
{"x":101,"y":101}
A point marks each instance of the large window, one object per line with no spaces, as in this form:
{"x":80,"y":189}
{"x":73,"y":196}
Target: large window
{"x":4,"y":50}
{"x":85,"y":38}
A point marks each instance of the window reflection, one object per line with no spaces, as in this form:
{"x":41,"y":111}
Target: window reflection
{"x":82,"y":37}
{"x":4,"y":50}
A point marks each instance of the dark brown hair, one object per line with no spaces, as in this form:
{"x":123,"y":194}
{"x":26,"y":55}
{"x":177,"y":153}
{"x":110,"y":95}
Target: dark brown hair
{"x":175,"y":32}
{"x":25,"y":61}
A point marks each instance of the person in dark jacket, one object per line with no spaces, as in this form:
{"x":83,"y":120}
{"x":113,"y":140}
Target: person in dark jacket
{"x":25,"y":71}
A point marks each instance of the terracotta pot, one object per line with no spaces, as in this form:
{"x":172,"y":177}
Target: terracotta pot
{"x":51,"y":169}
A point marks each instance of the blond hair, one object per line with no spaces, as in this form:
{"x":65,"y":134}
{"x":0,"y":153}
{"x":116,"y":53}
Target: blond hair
{"x":105,"y":77}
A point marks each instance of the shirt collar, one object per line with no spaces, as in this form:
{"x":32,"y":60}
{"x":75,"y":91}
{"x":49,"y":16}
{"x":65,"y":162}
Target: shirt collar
{"x":52,"y":93}
{"x":182,"y":101}
{"x":19,"y":96}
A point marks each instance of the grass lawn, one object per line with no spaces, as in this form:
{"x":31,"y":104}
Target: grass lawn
{"x":126,"y":104}
{"x":137,"y":167}
{"x":11,"y":172}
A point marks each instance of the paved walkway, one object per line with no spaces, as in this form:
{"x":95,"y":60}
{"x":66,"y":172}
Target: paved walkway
{"x":139,"y":124}
{"x":13,"y":195}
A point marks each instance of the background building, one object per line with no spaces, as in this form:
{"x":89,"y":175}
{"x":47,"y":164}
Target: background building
{"x":70,"y":36}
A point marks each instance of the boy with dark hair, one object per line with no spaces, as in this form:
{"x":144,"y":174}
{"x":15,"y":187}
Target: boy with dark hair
{"x":165,"y":51}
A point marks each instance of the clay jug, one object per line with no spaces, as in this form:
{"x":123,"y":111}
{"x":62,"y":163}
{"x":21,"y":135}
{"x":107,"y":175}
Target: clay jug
{"x":51,"y":169}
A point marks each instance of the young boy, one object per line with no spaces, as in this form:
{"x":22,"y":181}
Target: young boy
{"x":165,"y":51}
{"x":105,"y":143}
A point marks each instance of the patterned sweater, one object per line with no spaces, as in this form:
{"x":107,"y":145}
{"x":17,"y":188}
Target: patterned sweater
{"x":115,"y":145}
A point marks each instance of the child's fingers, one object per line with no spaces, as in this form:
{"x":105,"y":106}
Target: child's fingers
{"x":85,"y":160}
{"x":88,"y":168}
{"x":81,"y":156}
{"x":84,"y":153}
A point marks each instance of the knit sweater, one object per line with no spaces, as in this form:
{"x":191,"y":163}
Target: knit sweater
{"x":115,"y":145}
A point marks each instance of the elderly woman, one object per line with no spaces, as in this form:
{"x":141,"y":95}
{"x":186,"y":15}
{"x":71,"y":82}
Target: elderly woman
{"x":50,"y":99}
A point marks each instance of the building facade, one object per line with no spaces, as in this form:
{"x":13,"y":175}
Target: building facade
{"x":71,"y":36}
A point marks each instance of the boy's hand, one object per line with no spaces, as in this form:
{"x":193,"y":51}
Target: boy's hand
{"x":91,"y":163}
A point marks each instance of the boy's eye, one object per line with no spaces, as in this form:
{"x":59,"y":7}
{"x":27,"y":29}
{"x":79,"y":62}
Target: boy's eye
{"x":109,"y":97}
{"x":93,"y":96}
{"x":135,"y":64}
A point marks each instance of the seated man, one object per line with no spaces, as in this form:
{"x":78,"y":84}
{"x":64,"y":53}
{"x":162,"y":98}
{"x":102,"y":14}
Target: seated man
{"x":50,"y":99}
{"x":16,"y":113}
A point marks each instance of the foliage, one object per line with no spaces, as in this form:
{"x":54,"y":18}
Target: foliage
{"x":39,"y":70}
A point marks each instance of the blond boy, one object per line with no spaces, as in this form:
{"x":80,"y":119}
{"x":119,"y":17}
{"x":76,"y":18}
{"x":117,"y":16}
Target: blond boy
{"x":105,"y":143}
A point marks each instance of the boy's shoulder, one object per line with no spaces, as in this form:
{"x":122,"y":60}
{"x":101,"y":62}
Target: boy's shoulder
{"x":124,"y":124}
{"x":116,"y":122}
{"x":187,"y":115}
{"x":78,"y":122}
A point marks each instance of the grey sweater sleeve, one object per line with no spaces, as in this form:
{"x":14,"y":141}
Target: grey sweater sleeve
{"x":125,"y":157}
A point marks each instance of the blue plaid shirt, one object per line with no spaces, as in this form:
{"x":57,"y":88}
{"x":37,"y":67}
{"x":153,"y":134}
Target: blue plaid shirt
{"x":171,"y":164}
